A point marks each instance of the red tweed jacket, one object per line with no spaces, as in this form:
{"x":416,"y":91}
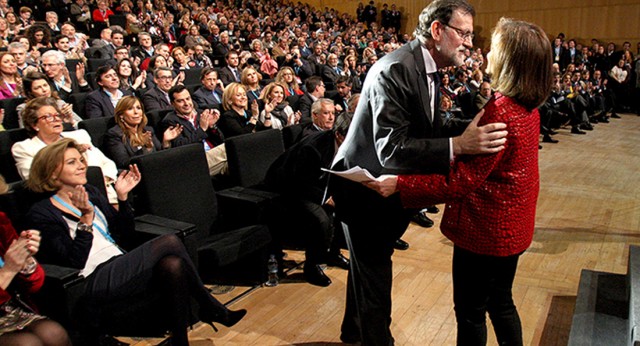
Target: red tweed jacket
{"x":491,"y":199}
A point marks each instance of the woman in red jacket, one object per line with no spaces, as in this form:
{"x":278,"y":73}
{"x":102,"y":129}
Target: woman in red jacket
{"x":19,"y":324}
{"x":491,"y":199}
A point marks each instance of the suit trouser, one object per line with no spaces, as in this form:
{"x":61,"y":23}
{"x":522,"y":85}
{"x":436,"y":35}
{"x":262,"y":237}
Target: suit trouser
{"x":374,"y":223}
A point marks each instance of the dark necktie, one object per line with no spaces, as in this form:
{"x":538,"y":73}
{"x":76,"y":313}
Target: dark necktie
{"x":235,"y":73}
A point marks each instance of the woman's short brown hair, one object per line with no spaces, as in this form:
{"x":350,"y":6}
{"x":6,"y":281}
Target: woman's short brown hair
{"x":47,"y":164}
{"x":228,"y":94}
{"x":520,"y":62}
{"x":266,"y":94}
{"x":30,"y":113}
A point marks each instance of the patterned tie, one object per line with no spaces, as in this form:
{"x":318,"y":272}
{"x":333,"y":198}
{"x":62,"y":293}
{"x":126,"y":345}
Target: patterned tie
{"x":235,"y":72}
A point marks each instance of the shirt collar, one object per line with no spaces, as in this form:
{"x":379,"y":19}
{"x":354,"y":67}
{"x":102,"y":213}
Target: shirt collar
{"x":429,"y":64}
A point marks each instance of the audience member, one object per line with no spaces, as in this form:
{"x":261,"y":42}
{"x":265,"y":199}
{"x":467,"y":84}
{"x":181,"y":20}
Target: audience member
{"x":236,"y":120}
{"x":20,"y":277}
{"x":102,"y":102}
{"x":157,"y":98}
{"x":43,"y":123}
{"x":53,"y":65}
{"x":131,"y":136}
{"x":230,"y":73}
{"x":277,"y":113}
{"x":37,"y":85}
{"x":210,"y":93}
{"x":79,"y":227}
{"x":10,"y":80}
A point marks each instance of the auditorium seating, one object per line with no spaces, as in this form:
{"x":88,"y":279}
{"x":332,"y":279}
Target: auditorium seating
{"x":185,"y":193}
{"x":7,"y":163}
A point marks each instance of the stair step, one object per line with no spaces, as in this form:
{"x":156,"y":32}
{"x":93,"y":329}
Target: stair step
{"x":602,"y":310}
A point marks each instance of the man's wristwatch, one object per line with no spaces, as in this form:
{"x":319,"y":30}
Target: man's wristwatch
{"x":84,"y":227}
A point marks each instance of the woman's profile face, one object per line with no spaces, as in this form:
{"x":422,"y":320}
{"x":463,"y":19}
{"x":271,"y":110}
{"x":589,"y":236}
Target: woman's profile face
{"x":133,"y":116}
{"x":160,"y":62}
{"x":179,"y":56}
{"x":125,"y":69}
{"x":288,"y":76}
{"x":8,"y":65}
{"x":49,"y":122}
{"x":239,"y":99}
{"x":40,"y":88}
{"x":39,"y":35}
{"x":445,"y":79}
{"x":74,"y":169}
{"x":277,"y":94}
{"x":252,"y":77}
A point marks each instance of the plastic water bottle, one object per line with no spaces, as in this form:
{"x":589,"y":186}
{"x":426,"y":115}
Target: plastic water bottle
{"x":272,"y":271}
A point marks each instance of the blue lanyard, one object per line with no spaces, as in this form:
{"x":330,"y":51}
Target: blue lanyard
{"x":78,"y":214}
{"x":1,"y":262}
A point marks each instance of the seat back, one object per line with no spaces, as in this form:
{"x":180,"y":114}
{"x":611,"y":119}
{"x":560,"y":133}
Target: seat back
{"x":294,"y":101}
{"x":97,"y":129}
{"x":93,"y":64}
{"x":192,"y":76}
{"x":79,"y":100}
{"x":155,"y":117}
{"x":465,"y":101}
{"x":291,"y":135}
{"x":176,"y":184}
{"x":7,"y":163}
{"x":71,"y":64}
{"x":10,"y":113}
{"x":249,"y":156}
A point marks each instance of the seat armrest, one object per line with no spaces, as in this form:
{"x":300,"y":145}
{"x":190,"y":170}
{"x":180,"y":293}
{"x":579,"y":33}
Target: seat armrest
{"x":154,"y":225}
{"x":241,"y":206}
{"x":64,"y":275}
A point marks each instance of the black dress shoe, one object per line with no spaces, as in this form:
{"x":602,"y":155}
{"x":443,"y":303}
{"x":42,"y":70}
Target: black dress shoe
{"x":421,"y":219}
{"x":586,"y":127}
{"x":339,"y":261}
{"x":551,"y":132}
{"x":603,"y":119}
{"x":432,"y":209}
{"x":548,"y":139}
{"x":349,"y":339}
{"x":576,"y":130}
{"x":315,"y":275}
{"x":400,"y":245}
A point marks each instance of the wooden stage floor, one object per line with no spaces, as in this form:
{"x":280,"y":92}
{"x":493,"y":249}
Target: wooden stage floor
{"x":588,"y":214}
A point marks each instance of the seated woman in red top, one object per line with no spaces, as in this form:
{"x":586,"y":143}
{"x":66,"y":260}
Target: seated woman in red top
{"x":19,"y":324}
{"x":491,"y":199}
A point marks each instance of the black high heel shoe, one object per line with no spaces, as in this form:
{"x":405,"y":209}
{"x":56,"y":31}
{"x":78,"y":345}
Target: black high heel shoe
{"x":228,"y":318}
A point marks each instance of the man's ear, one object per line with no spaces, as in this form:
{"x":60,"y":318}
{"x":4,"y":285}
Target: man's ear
{"x":436,"y":30}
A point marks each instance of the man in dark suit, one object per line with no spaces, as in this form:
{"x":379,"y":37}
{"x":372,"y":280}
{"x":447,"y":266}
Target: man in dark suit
{"x":145,"y":50}
{"x":64,"y":82}
{"x":158,"y":97}
{"x":102,"y":102}
{"x":315,"y":90}
{"x":559,"y":54}
{"x":399,"y":97}
{"x":323,"y":115}
{"x":297,"y":175}
{"x":331,"y":71}
{"x":230,"y":73}
{"x":197,"y":127}
{"x":341,"y":99}
{"x":210,"y":93}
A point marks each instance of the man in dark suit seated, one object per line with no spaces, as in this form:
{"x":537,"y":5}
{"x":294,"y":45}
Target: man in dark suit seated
{"x":197,"y":127}
{"x":102,"y":102}
{"x":231,"y":72}
{"x":343,"y":86}
{"x":297,"y":175}
{"x":331,"y":71}
{"x":157,"y":98}
{"x":210,"y":93}
{"x":315,"y":90}
{"x":323,"y":115}
{"x":145,"y":50}
{"x":64,"y":82}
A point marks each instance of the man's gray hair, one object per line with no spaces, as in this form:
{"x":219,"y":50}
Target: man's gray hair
{"x":442,"y":11}
{"x":56,"y":54}
{"x":316,"y":107}
{"x":16,"y":45}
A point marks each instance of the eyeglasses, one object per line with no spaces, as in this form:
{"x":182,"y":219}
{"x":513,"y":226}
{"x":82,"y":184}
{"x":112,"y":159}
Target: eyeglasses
{"x":164,"y":77}
{"x":465,"y":35}
{"x":50,"y":117}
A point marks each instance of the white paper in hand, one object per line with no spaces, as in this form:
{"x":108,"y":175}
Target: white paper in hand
{"x":356,"y":174}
